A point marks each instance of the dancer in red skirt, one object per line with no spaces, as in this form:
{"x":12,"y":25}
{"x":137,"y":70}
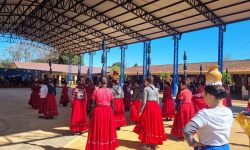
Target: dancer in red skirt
{"x":79,"y":119}
{"x":50,"y":107}
{"x":168,"y":103}
{"x":34,"y":97}
{"x":136,"y":101}
{"x":248,"y":105}
{"x":43,"y":97}
{"x":119,"y":113}
{"x":64,"y":95}
{"x":229,"y":98}
{"x":184,"y":112}
{"x":198,"y":100}
{"x":89,"y":87}
{"x":150,"y":126}
{"x":127,"y":95}
{"x":102,"y":133}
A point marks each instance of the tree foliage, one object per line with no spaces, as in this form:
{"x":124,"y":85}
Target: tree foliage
{"x":135,"y":65}
{"x":115,"y":66}
{"x":227,"y":77}
{"x":163,"y":75}
{"x":5,"y":64}
{"x":22,"y":52}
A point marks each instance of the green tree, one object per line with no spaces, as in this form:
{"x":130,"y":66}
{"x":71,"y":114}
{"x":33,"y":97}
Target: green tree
{"x":135,"y":65}
{"x":116,"y":66}
{"x":163,"y":75}
{"x":5,"y":64}
{"x":64,"y":59}
{"x":227,"y":77}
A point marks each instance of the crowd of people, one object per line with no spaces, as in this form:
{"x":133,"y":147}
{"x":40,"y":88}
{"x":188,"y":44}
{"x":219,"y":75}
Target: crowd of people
{"x":202,"y":110}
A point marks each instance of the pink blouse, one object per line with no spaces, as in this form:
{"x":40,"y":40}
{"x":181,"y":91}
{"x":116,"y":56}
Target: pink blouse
{"x":186,"y":96}
{"x":103,"y":96}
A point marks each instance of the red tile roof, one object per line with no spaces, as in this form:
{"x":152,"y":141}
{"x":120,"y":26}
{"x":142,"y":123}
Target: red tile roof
{"x":234,"y":67}
{"x":55,"y":67}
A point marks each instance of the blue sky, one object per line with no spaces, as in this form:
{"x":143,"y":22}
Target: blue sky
{"x":201,"y":46}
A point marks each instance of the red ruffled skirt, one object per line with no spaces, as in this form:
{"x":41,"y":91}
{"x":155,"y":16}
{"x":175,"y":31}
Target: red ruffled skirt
{"x":135,"y":110}
{"x":168,"y":108}
{"x":119,"y":113}
{"x":126,"y":101}
{"x":79,"y":118}
{"x":50,"y":107}
{"x":198,"y":103}
{"x":64,"y":99}
{"x":102,"y":132}
{"x":150,"y":127}
{"x":248,"y":107}
{"x":34,"y":100}
{"x":184,"y":115}
{"x":41,"y":104}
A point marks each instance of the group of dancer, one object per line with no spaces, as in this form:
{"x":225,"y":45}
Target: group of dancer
{"x":201,"y":112}
{"x":43,"y":98}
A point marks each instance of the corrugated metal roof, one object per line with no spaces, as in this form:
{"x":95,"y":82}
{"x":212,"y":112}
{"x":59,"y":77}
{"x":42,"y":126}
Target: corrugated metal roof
{"x":79,"y":26}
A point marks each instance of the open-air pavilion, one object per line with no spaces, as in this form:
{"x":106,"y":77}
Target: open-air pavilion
{"x":85,"y":26}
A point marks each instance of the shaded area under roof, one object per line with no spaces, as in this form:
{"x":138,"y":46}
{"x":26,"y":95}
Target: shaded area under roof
{"x":79,"y":25}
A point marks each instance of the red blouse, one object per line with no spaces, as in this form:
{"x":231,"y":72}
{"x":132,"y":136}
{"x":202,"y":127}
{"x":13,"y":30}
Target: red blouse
{"x":103,"y":96}
{"x":185,"y":95}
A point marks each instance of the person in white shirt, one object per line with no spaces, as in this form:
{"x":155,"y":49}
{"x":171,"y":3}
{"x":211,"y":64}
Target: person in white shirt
{"x":43,"y":96}
{"x":212,"y":125}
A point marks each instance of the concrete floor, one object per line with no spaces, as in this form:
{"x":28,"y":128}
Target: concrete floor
{"x":21,"y":129}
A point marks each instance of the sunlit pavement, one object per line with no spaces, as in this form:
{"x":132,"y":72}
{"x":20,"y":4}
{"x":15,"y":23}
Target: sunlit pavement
{"x":21,"y":129}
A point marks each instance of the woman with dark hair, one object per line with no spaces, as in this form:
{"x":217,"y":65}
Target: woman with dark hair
{"x":79,"y":118}
{"x":136,"y":101}
{"x":43,"y":97}
{"x":89,"y":87}
{"x":127,"y":95}
{"x":185,"y":110}
{"x":34,"y":97}
{"x":212,"y":125}
{"x":64,"y":95}
{"x":168,"y":103}
{"x":50,"y":106}
{"x":119,"y":113}
{"x":102,"y":133}
{"x":150,"y":125}
{"x":198,"y":98}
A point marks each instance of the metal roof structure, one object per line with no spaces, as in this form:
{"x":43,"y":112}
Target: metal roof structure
{"x":80,"y":25}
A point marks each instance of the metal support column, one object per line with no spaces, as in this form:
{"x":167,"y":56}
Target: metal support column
{"x":69,"y":69}
{"x":175,"y":68}
{"x":123,"y":48}
{"x":146,"y":59}
{"x":222,"y":29}
{"x":185,"y":65}
{"x":104,"y":62}
{"x":79,"y":67}
{"x":104,"y":57}
{"x":90,"y":65}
